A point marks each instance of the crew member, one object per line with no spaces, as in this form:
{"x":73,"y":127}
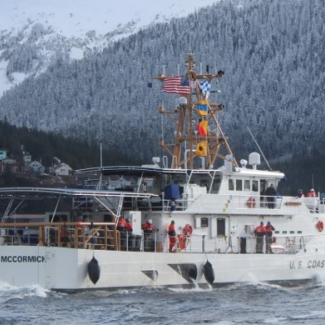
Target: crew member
{"x":301,"y":193}
{"x":149,"y":242}
{"x":270,"y":195}
{"x":259,"y":233}
{"x":268,"y":237}
{"x":121,"y":227}
{"x":121,"y":224}
{"x":128,"y":226}
{"x":148,"y":227}
{"x":312,"y":193}
{"x":129,"y":235}
{"x":64,"y":236}
{"x":172,"y":236}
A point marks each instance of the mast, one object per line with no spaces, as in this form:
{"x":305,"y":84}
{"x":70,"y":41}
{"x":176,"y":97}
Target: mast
{"x":198,"y":134}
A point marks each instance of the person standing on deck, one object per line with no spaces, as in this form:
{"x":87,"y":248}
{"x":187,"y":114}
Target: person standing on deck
{"x":270,"y":196}
{"x":172,"y":236}
{"x":121,"y":224}
{"x":301,"y":193}
{"x":148,"y":227}
{"x":128,"y":226}
{"x":312,"y":193}
{"x":268,"y":237}
{"x":148,"y":230}
{"x":259,"y":232}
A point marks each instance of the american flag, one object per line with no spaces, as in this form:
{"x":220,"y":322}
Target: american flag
{"x":173,"y":85}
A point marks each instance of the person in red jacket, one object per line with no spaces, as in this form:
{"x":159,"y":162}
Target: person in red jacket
{"x":268,"y":237}
{"x":311,"y":193}
{"x":121,"y":227}
{"x":128,"y":226}
{"x":172,"y":236}
{"x":260,"y":232}
{"x":121,"y":224}
{"x":148,"y":229}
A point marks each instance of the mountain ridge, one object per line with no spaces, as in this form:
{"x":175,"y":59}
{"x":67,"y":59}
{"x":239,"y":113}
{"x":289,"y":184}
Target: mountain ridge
{"x":62,"y":28}
{"x":274,"y":76}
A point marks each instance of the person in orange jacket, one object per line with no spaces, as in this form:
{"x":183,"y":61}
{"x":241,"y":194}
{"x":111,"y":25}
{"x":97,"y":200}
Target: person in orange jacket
{"x":121,"y":224}
{"x":172,"y":236}
{"x":312,"y":193}
{"x":148,"y":227}
{"x":260,"y":232}
{"x":148,"y":230}
{"x":128,"y":226}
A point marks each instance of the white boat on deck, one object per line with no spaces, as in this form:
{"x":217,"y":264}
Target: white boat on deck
{"x":215,"y":210}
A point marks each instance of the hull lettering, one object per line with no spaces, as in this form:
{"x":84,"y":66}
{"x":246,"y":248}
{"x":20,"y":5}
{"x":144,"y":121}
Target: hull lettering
{"x":316,"y":264}
{"x":22,"y":259}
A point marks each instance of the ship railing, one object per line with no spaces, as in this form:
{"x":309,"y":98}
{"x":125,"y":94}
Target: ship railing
{"x":252,"y":201}
{"x":281,"y":244}
{"x":234,"y":200}
{"x":105,"y":236}
{"x":97,"y":235}
{"x":180,"y":204}
{"x":145,"y":242}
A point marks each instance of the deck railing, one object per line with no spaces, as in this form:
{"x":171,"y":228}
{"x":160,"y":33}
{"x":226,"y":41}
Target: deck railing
{"x":105,"y":236}
{"x":98,"y":235}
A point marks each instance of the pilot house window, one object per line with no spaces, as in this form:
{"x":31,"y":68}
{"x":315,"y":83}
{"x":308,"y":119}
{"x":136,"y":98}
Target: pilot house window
{"x":231,"y":185}
{"x":204,"y":222}
{"x":239,"y":185}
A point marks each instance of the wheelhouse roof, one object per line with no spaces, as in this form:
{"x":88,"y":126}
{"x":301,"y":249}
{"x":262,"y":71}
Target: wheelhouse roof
{"x":42,"y":192}
{"x":145,"y":171}
{"x":152,"y":171}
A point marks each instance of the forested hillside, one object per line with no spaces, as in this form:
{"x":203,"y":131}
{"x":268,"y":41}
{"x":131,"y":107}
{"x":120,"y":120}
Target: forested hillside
{"x":271,"y":51}
{"x":44,"y":146}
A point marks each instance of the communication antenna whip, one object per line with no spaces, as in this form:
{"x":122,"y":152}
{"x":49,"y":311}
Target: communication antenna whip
{"x":259,"y":148}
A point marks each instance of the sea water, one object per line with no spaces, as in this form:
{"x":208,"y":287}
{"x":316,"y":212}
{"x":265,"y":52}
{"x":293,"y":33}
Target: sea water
{"x":250,"y":303}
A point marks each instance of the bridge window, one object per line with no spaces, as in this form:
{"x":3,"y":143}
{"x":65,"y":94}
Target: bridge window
{"x":204,"y":222}
{"x":247,"y":185}
{"x":255,"y":186}
{"x":231,"y":185}
{"x":239,"y":185}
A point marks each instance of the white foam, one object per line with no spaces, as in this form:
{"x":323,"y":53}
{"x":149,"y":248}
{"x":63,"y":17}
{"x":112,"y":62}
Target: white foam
{"x":9,"y":291}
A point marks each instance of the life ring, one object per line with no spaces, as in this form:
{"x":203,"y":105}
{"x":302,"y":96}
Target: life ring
{"x":320,"y":225}
{"x":188,"y":230}
{"x":251,"y":202}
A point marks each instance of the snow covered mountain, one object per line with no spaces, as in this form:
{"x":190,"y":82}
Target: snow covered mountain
{"x":88,"y":83}
{"x":42,"y":30}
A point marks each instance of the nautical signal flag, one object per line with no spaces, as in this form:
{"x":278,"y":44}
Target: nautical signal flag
{"x":202,"y":128}
{"x":202,"y":107}
{"x":175,"y":85}
{"x":201,"y":149}
{"x":205,"y":86}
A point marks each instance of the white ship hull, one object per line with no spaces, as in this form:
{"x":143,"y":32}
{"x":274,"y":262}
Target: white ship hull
{"x":65,"y":269}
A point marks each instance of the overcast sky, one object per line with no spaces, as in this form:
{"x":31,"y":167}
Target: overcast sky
{"x":76,"y":17}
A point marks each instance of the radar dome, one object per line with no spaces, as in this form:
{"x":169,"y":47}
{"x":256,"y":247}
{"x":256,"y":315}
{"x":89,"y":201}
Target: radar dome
{"x":254,"y":159}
